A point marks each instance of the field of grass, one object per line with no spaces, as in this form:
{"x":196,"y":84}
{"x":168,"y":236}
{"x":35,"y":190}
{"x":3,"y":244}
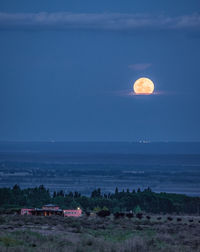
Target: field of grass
{"x":95,"y":234}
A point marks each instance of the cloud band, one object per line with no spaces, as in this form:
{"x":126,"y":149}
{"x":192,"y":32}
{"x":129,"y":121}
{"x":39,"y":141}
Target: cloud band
{"x":102,"y":21}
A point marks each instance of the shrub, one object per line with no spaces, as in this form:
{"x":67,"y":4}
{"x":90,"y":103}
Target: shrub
{"x":103,"y":213}
{"x":129,"y":215}
{"x":139,"y":216}
{"x":87,"y":214}
{"x":9,"y":241}
{"x":136,"y":244}
{"x":2,"y":220}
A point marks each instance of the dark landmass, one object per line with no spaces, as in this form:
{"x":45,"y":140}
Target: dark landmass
{"x":83,"y":166}
{"x":85,"y":171}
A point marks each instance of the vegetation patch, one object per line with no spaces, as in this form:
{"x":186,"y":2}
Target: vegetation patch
{"x":98,"y":234}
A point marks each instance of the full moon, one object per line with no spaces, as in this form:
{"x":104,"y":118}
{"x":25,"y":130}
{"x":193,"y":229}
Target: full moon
{"x":143,"y":86}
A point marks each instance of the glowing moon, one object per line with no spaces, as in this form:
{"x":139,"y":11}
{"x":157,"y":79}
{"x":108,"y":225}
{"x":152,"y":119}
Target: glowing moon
{"x":143,"y":86}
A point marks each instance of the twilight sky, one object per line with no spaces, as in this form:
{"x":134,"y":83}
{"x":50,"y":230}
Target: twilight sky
{"x":67,"y":68}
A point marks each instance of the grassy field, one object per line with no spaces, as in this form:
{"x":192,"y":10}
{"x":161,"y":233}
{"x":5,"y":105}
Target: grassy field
{"x":94,"y":234}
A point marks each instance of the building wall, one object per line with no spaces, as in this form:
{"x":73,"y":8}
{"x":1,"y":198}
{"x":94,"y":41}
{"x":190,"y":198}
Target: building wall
{"x":66,"y":213}
{"x":72,"y":213}
{"x":26,"y":211}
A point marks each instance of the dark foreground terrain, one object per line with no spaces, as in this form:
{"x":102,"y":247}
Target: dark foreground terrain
{"x":95,"y":234}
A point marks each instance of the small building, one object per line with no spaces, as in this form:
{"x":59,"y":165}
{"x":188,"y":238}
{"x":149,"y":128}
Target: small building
{"x":46,"y":212}
{"x":72,"y":212}
{"x":27,"y":211}
{"x":49,"y":210}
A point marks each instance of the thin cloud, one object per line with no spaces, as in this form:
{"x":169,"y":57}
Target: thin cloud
{"x":139,"y":67}
{"x":98,"y":21}
{"x":130,"y":93}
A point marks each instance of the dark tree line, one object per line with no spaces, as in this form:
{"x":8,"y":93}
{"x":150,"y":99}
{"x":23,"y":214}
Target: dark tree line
{"x":146,"y":200}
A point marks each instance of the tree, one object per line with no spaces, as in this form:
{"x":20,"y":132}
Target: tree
{"x":125,"y":201}
{"x":77,"y":195}
{"x":16,"y":188}
{"x":61,"y":193}
{"x":70,"y":195}
{"x":96,"y":193}
{"x":137,"y":209}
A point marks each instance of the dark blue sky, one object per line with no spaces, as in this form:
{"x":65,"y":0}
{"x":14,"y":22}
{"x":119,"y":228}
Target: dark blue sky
{"x":66,"y":68}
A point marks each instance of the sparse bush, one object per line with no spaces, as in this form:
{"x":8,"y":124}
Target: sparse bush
{"x":103,"y":213}
{"x":129,"y":215}
{"x":87,"y":214}
{"x":2,"y":220}
{"x":98,"y":235}
{"x":136,"y":244}
{"x":88,"y":242}
{"x":139,"y":216}
{"x":117,"y":215}
{"x":75,"y":224}
{"x":166,"y":238}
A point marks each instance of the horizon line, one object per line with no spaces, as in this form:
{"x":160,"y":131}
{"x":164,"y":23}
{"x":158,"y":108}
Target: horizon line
{"x":96,"y":141}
